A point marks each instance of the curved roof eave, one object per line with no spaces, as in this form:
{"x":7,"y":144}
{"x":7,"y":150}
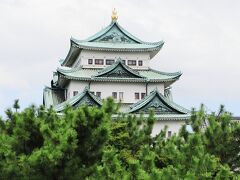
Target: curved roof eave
{"x":76,"y":98}
{"x":72,"y":73}
{"x":108,"y":28}
{"x":153,"y":47}
{"x":76,"y":47}
{"x":117,"y":46}
{"x":72,"y":54}
{"x":176,"y":74}
{"x":112,"y":79}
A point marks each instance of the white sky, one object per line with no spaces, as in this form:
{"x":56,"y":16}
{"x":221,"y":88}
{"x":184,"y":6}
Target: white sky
{"x":202,"y":39}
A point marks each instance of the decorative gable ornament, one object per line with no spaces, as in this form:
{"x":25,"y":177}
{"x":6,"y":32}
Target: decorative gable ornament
{"x":115,"y":35}
{"x":156,"y":102}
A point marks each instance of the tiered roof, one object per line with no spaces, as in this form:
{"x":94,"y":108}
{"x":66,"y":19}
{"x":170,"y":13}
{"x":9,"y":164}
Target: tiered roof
{"x":117,"y":72}
{"x":163,"y":108}
{"x":111,"y":38}
{"x":114,"y":38}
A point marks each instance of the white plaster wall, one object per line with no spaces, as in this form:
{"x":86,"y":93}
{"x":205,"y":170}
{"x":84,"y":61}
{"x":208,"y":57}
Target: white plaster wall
{"x":128,"y":89}
{"x":106,"y":89}
{"x":173,"y":126}
{"x":75,"y":86}
{"x":153,"y":86}
{"x":90,"y":54}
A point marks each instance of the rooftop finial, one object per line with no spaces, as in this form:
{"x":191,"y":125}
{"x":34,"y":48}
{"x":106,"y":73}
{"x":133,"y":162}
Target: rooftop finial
{"x":114,"y":15}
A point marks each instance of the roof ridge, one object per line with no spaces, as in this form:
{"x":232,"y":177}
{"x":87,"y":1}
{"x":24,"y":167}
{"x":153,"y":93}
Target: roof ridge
{"x":108,"y":27}
{"x":110,"y":46}
{"x":166,"y":73}
{"x":129,"y":34}
{"x":69,"y":69}
{"x":96,"y":35}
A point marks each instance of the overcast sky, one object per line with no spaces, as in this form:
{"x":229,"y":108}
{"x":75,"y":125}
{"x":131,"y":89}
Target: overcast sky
{"x":202,"y":39}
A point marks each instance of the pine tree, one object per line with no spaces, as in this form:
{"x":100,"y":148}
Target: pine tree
{"x":16,"y":105}
{"x":95,"y":143}
{"x":222,"y":138}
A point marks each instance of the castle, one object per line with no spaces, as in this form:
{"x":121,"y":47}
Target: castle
{"x":115,"y":63}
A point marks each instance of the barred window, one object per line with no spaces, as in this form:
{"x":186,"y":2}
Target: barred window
{"x":109,"y":61}
{"x":132,"y":62}
{"x":99,"y":61}
{"x":143,"y":95}
{"x":136,"y":95}
{"x":90,"y":61}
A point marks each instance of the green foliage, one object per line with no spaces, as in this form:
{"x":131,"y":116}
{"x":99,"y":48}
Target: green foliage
{"x":16,"y":105}
{"x":99,"y":143}
{"x":222,"y":138}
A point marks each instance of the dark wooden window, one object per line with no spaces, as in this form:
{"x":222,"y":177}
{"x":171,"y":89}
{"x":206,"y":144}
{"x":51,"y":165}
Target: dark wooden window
{"x":124,"y":61}
{"x":132,"y":62}
{"x":75,"y":93}
{"x":120,"y":96}
{"x":140,"y":63}
{"x":136,"y":95}
{"x":98,"y":94}
{"x":143,"y":95}
{"x":92,"y":92}
{"x":90,"y":61}
{"x":114,"y":95}
{"x":99,"y":61}
{"x":109,"y":61}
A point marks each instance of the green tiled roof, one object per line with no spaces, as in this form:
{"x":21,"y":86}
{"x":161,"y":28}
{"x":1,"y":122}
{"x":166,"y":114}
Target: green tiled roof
{"x":144,"y":75}
{"x":74,"y":100}
{"x":111,"y":38}
{"x":117,"y":46}
{"x":130,"y":42}
{"x":149,"y":98}
{"x":165,"y":117}
{"x":108,"y":28}
{"x":90,"y":74}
